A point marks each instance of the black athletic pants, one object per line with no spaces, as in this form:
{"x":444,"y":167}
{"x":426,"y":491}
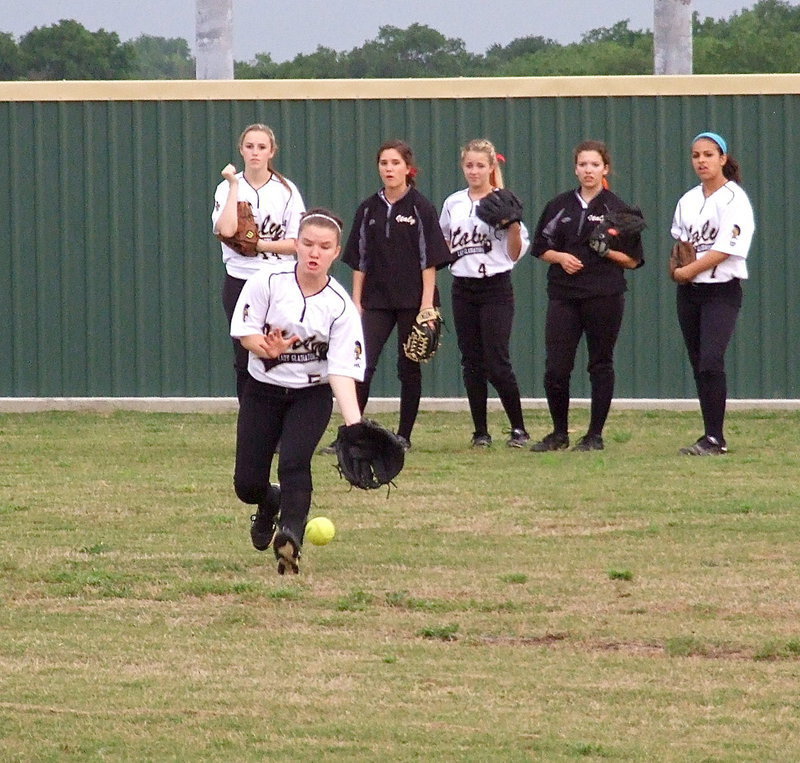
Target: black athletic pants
{"x":378,"y":325}
{"x":231,"y":289}
{"x":295,"y":417}
{"x":483,"y":312}
{"x":600,"y":318}
{"x":707,"y":316}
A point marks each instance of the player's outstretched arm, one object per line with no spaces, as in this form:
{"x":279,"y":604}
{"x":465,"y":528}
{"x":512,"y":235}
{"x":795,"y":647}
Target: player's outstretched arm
{"x":344,"y":389}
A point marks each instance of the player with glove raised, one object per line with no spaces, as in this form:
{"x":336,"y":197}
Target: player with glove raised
{"x":589,"y":237}
{"x":255,"y":217}
{"x":483,"y":227}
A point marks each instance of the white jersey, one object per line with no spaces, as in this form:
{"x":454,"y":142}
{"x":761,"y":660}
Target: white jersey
{"x":722,"y":222}
{"x":277,"y":211}
{"x":481,"y":249}
{"x":328,"y":324}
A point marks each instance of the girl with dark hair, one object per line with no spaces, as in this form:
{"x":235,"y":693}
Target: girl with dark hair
{"x":395,"y":248}
{"x":303,"y":336}
{"x":586,"y":294}
{"x":717,"y":219}
{"x":277,"y":206}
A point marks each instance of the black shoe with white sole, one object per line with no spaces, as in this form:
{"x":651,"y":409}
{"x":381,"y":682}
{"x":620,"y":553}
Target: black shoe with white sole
{"x":519,"y":439}
{"x":552,"y":441}
{"x":481,"y":440}
{"x":589,"y":442}
{"x":262,"y":523}
{"x":705,"y":446}
{"x":287,"y":552}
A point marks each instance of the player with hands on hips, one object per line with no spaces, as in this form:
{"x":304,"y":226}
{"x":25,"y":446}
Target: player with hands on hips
{"x":275,"y":205}
{"x":304,"y":340}
{"x":483,"y":226}
{"x":714,"y":220}
{"x":586,"y":291}
{"x":395,"y":248}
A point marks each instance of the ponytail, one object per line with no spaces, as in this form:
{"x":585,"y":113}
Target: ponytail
{"x":731,"y":170}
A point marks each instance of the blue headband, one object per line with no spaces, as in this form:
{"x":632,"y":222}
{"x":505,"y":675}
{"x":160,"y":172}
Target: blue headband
{"x":718,"y":139}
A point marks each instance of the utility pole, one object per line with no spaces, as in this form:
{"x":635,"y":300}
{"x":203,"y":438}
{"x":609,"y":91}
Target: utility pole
{"x":214,"y":38}
{"x":672,"y":36}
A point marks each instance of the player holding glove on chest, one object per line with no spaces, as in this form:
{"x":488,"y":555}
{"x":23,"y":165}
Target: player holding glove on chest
{"x":483,"y":228}
{"x":586,"y":292}
{"x":716,"y":219}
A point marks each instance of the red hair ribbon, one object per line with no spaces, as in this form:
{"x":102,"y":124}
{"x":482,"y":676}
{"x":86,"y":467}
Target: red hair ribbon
{"x":501,"y":158}
{"x":412,"y":172}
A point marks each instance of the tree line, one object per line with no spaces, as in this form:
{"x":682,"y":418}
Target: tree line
{"x":763,"y":39}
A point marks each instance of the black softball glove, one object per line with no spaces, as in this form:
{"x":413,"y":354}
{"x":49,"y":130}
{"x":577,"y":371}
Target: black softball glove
{"x":616,"y":227}
{"x":369,"y":455}
{"x":500,"y":208}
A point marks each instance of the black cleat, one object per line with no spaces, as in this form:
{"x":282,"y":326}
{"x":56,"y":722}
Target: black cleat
{"x":552,"y":441}
{"x":481,"y":440}
{"x":287,"y":552}
{"x":705,"y":446}
{"x":519,"y":438}
{"x":589,"y":442}
{"x":262,"y":523}
{"x":405,"y":442}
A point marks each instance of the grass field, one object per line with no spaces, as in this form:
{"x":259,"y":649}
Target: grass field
{"x":631,"y":604}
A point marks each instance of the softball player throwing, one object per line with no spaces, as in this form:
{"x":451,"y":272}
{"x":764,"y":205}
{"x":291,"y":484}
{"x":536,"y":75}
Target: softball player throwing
{"x":483,"y":297}
{"x":586,"y":294}
{"x":717,"y":219}
{"x":303,"y":336}
{"x":277,"y":206}
{"x":395,"y":248}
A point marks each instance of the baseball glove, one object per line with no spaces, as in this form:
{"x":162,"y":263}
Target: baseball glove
{"x":423,"y":339}
{"x":245,"y":240}
{"x":616,"y":227}
{"x":500,"y":208}
{"x":369,"y":455}
{"x":683,"y":253}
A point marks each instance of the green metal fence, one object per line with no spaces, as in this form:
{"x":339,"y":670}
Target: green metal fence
{"x":110,"y":277}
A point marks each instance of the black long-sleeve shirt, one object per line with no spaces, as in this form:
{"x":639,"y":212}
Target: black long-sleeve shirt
{"x":565,"y":226}
{"x":392,"y":245}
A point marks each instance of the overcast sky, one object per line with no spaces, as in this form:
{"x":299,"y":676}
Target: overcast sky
{"x":284,"y":29}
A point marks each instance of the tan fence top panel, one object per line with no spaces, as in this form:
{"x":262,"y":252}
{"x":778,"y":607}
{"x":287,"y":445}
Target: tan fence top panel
{"x":472,"y":87}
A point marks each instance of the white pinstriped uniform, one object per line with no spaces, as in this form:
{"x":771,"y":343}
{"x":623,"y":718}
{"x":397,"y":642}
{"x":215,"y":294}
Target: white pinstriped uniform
{"x":328,"y":324}
{"x":277,"y":211}
{"x":481,"y":249}
{"x":723,"y":222}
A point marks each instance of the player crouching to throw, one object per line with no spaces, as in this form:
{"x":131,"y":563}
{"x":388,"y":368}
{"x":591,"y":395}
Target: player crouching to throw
{"x":305,"y":343}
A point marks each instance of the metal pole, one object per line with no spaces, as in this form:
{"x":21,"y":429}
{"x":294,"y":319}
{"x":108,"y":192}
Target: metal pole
{"x":214,"y":37}
{"x":672,"y":36}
